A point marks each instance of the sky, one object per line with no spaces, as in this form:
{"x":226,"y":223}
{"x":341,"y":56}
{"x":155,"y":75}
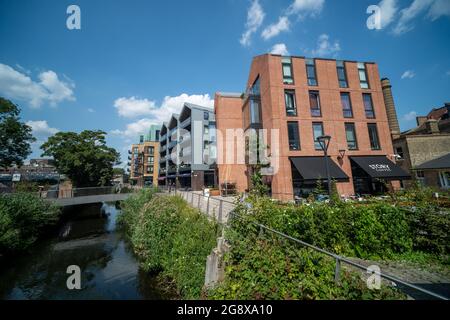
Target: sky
{"x":133,"y":63}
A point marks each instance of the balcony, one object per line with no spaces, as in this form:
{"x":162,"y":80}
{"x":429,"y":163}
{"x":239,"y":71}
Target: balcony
{"x":172,"y":144}
{"x":185,"y":123}
{"x":184,"y":168}
{"x":163,"y":148}
{"x":162,"y":159}
{"x":163,"y":138}
{"x":172,"y":169}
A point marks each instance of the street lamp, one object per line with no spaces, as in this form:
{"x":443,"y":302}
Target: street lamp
{"x":324,"y":142}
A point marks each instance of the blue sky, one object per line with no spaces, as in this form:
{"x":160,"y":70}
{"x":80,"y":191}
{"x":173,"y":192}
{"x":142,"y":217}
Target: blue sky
{"x":134,"y":62}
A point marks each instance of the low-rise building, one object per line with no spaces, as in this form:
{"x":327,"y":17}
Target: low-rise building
{"x":424,"y":151}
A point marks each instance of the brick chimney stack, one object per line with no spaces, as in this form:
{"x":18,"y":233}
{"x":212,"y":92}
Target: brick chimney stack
{"x":390,"y":108}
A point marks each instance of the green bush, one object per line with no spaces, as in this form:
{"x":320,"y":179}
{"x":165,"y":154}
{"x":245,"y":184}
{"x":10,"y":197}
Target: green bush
{"x":263,"y":266}
{"x":170,"y":237}
{"x":23,"y":217}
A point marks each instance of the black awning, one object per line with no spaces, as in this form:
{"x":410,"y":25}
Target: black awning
{"x":313,"y":168}
{"x":380,"y":167}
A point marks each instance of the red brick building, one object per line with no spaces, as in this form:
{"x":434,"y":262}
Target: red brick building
{"x":306,"y":98}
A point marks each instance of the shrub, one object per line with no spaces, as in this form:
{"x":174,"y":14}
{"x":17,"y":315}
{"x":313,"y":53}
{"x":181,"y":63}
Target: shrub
{"x":23,"y":218}
{"x":170,"y":237}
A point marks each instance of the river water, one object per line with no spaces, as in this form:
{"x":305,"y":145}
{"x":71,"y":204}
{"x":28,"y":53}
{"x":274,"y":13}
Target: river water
{"x":88,"y":239}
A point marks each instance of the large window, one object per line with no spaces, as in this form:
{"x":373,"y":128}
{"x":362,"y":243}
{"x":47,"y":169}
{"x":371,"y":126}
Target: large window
{"x":317,"y":132}
{"x":252,"y":109}
{"x":289,"y":98}
{"x":286,"y":64}
{"x":294,"y":136}
{"x":311,"y":72}
{"x":151,"y":160}
{"x":363,"y":75}
{"x":150,"y":169}
{"x":350,"y":134}
{"x":314,"y":102}
{"x":368,"y":105}
{"x":342,"y":74}
{"x":373,"y":136}
{"x":444,"y":178}
{"x":346,"y":105}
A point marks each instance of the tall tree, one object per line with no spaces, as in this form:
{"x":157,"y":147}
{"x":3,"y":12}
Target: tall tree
{"x":84,"y":158}
{"x":15,"y":136}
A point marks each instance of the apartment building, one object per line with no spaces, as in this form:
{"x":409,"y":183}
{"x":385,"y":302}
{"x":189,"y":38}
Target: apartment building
{"x":144,"y":159}
{"x":188,"y":149}
{"x":303,"y":99}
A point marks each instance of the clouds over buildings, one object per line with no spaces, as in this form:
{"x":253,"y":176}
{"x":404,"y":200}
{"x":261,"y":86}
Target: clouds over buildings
{"x":326,"y":47}
{"x":280,"y":48}
{"x":276,"y":28}
{"x":153,"y":113}
{"x":48,"y":88}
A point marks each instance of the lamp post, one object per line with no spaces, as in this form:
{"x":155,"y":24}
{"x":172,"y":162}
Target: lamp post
{"x":324,"y":143}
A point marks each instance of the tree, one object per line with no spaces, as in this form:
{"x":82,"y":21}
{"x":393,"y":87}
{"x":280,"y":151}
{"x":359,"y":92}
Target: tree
{"x":84,"y":158}
{"x":15,"y":136}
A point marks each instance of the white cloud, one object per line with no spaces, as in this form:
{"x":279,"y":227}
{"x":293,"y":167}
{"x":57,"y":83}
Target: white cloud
{"x":325,"y":47}
{"x":90,"y":110}
{"x":448,"y":73}
{"x":155,"y":114}
{"x":134,"y":107}
{"x":276,"y":28}
{"x":408,"y":74}
{"x":17,"y":85}
{"x":280,"y":48}
{"x":388,"y":11}
{"x":410,"y":116}
{"x":41,"y":128}
{"x":434,"y":8}
{"x":255,"y":18}
{"x":306,"y":7}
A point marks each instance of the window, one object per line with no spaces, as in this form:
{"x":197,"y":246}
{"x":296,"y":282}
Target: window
{"x":151,"y":160}
{"x":314,"y":102}
{"x":206,"y":130}
{"x":346,"y":105}
{"x":255,"y":116}
{"x":399,"y":151}
{"x":135,"y":151}
{"x":294,"y":137}
{"x":368,"y":105}
{"x":205,"y":115}
{"x":141,"y":138}
{"x":317,"y":132}
{"x":444,"y":178}
{"x":157,"y":135}
{"x":311,"y":72}
{"x":363,"y":75}
{"x":342,"y":74}
{"x":373,"y":136}
{"x":150,"y":169}
{"x":286,"y":64}
{"x":289,"y":98}
{"x":420,"y":176}
{"x":350,"y":134}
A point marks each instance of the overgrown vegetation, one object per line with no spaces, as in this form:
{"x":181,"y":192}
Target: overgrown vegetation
{"x":23,"y":218}
{"x":169,"y":237}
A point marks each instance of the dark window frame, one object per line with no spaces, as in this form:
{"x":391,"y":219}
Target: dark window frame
{"x":314,"y":70}
{"x":361,"y":82}
{"x":317,"y":93}
{"x":374,"y":146}
{"x":340,"y":66}
{"x":372,"y":114}
{"x":291,"y":92}
{"x":294,"y":140}
{"x":287,"y":79}
{"x":349,"y":111}
{"x":355,"y":141}
{"x":317,"y":146}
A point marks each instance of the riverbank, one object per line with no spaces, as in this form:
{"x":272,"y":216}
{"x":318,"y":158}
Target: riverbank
{"x":170,"y":238}
{"x":86,"y":237}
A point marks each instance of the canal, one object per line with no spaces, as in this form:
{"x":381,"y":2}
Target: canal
{"x":89,"y":239}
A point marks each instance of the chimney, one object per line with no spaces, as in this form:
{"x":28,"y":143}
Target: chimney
{"x":421,"y":120}
{"x":432,"y":126}
{"x":390,"y":108}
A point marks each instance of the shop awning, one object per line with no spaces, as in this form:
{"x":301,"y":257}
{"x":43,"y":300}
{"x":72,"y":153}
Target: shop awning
{"x":314,"y":168}
{"x":380,"y":167}
{"x":436,"y":164}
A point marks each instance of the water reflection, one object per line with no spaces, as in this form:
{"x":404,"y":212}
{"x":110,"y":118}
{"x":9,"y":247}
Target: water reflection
{"x":88,"y":239}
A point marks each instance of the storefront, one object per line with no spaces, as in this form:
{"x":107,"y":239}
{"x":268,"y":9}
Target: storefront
{"x":307,"y":172}
{"x":372,"y":173}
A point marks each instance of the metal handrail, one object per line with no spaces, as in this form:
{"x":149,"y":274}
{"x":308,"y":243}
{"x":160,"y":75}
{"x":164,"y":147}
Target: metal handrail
{"x":337,"y":257}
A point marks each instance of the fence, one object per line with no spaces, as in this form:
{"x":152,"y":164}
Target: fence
{"x":222,"y":210}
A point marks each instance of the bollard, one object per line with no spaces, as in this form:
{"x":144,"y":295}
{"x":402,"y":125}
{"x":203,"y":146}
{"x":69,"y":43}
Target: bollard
{"x":219,"y":218}
{"x":207,"y":207}
{"x":337,"y":270}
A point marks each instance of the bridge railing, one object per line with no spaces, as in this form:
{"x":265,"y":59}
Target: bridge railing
{"x":79,"y":192}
